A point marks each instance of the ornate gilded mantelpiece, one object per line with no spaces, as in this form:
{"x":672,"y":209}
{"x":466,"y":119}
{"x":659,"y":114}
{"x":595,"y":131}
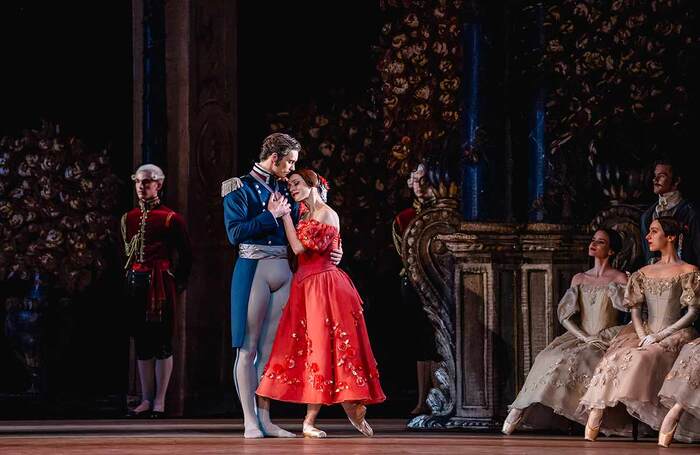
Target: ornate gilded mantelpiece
{"x":490,"y":291}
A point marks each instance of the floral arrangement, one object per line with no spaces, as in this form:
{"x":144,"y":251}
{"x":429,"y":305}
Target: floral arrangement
{"x":420,"y":70}
{"x":617,"y":66}
{"x":367,"y":147}
{"x":57,"y":201}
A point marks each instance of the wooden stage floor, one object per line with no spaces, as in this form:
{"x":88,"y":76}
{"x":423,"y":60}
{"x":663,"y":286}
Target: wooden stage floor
{"x":179,"y":436}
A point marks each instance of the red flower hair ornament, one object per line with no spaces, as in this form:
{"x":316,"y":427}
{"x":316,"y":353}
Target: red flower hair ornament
{"x":323,"y":187}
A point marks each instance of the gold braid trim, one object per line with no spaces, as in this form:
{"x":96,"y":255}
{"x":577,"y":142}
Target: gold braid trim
{"x":137,"y":242}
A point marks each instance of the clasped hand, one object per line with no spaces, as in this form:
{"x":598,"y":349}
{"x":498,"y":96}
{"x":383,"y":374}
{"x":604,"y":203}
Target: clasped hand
{"x":596,"y":342}
{"x":278,"y":205}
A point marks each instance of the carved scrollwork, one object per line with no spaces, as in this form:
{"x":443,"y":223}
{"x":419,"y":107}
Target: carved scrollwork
{"x":482,"y":285}
{"x":428,"y":266}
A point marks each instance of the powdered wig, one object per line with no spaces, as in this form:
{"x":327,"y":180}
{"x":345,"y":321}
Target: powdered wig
{"x":152,"y":172}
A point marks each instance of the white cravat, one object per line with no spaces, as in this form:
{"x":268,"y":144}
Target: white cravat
{"x":668,"y":202}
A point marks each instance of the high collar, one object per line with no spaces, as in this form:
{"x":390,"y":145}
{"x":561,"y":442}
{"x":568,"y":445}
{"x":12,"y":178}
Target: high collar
{"x":668,"y":201}
{"x":150,"y":204}
{"x":263,"y":173}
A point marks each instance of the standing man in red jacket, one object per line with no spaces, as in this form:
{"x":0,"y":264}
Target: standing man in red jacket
{"x":158,"y":262}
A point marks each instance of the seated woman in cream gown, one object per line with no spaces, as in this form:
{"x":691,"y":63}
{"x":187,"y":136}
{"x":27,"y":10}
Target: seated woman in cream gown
{"x":560,"y":374}
{"x":634,"y":367}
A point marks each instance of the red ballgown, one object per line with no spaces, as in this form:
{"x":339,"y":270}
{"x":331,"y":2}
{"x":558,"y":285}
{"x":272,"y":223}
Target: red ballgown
{"x":321,"y":353}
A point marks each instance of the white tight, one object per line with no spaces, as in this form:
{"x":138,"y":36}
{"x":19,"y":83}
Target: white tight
{"x":268,"y":296}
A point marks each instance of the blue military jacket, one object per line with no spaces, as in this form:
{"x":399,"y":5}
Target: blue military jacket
{"x":247,"y":220}
{"x":246,"y":216}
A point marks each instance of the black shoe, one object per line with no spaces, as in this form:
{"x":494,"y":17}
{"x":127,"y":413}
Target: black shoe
{"x":138,"y":415}
{"x":157,"y":414}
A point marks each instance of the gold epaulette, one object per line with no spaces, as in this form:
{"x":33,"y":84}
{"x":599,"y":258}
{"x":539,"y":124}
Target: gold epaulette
{"x":230,"y":185}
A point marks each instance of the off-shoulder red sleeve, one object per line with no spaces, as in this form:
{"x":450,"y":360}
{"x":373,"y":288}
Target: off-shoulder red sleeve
{"x":314,"y":235}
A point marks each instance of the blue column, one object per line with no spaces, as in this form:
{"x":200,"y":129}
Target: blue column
{"x":472,"y":172}
{"x":537,"y":146}
{"x":154,"y":106}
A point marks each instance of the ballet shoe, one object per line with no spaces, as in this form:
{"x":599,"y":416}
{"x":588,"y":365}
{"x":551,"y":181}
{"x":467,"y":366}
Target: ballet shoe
{"x":310,"y":431}
{"x":253,"y":433}
{"x":665,"y":439}
{"x":591,"y":433}
{"x":357,"y":419}
{"x":270,"y":430}
{"x":510,"y":427}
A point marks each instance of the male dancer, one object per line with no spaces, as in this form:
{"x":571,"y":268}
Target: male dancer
{"x":253,"y":205}
{"x":158,"y":262}
{"x":671,"y":203}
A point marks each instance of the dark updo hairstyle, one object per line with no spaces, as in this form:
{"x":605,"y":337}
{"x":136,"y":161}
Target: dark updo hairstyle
{"x":309,"y":176}
{"x":671,"y":226}
{"x":614,"y":239}
{"x":314,"y":181}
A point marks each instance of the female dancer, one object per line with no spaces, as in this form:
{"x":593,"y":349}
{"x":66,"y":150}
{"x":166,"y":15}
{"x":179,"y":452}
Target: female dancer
{"x":633,"y":369}
{"x":321,"y":354}
{"x":560,"y":374}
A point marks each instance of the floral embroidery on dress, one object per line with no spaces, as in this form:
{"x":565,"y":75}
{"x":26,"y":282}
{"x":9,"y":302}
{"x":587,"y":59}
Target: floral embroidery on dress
{"x":572,"y":379}
{"x":344,"y":352}
{"x":687,"y":369}
{"x":691,"y":289}
{"x":315,"y":235}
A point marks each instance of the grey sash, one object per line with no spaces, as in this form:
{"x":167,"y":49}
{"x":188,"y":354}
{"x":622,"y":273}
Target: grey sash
{"x":248,"y":251}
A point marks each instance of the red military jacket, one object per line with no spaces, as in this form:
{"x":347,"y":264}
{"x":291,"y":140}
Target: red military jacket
{"x":156,"y":241}
{"x":398,"y":227}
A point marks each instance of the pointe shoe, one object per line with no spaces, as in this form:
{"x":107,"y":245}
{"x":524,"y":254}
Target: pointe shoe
{"x":665,"y":439}
{"x":510,"y":427}
{"x":357,"y":419}
{"x":591,"y":433}
{"x":310,"y":431}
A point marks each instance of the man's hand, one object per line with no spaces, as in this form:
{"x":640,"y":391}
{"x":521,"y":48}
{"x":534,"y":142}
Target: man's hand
{"x":337,"y":254}
{"x":278,"y":205}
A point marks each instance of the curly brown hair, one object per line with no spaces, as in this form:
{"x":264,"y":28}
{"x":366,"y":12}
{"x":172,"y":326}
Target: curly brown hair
{"x":280,"y":143}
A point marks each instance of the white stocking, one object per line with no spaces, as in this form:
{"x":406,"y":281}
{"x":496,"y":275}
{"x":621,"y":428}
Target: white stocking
{"x":146,"y":378}
{"x":164,"y":369}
